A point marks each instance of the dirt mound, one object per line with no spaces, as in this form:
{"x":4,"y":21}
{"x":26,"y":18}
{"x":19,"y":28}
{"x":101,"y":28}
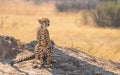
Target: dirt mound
{"x":67,"y":61}
{"x":8,"y":47}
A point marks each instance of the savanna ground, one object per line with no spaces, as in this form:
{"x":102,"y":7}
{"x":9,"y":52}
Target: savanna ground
{"x":67,"y":29}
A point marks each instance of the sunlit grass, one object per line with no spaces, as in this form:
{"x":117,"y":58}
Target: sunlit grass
{"x":67,"y":29}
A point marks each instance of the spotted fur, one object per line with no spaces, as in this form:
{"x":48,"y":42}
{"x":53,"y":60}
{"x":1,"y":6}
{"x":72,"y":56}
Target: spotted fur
{"x":42,"y":50}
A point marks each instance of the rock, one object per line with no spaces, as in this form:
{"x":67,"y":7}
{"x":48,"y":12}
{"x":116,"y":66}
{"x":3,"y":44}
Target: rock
{"x":67,"y":62}
{"x":97,"y":73}
{"x":66,"y":65}
{"x":8,"y":47}
{"x":33,"y":43}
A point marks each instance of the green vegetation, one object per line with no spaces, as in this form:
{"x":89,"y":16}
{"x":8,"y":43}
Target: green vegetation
{"x":75,"y":5}
{"x":107,"y":15}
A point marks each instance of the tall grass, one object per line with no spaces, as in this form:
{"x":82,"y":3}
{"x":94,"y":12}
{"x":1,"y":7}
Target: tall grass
{"x":99,"y":42}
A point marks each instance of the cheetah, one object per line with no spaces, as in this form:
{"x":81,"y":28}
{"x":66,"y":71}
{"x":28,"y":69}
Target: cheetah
{"x":42,"y":51}
{"x":43,"y":48}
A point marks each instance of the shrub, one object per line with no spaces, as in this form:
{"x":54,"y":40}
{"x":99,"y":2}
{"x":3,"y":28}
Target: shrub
{"x":107,"y":15}
{"x":75,"y":5}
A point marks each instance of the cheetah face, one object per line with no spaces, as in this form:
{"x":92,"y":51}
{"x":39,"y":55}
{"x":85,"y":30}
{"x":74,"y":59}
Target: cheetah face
{"x":44,"y":22}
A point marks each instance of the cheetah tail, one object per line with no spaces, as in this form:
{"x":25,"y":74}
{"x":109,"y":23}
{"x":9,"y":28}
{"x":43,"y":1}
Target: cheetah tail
{"x":29,"y":57}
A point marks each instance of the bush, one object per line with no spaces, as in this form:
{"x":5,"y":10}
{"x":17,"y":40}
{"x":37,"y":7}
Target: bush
{"x":75,"y":5}
{"x":107,"y":15}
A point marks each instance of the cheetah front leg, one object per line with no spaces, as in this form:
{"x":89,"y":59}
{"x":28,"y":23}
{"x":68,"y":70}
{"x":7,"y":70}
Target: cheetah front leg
{"x":40,"y":62}
{"x":48,"y":60}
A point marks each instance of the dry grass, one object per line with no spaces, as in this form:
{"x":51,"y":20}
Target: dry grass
{"x":66,"y":29}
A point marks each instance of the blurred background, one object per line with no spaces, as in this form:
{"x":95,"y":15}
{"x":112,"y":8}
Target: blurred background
{"x":91,"y":26}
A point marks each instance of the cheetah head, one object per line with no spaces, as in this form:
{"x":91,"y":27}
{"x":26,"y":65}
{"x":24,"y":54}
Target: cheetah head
{"x":44,"y":22}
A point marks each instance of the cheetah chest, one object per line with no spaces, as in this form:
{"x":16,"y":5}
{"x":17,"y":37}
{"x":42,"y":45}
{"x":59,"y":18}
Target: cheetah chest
{"x":43,"y":38}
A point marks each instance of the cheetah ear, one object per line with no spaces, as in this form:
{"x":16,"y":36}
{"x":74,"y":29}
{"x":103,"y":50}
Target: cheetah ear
{"x":39,"y":21}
